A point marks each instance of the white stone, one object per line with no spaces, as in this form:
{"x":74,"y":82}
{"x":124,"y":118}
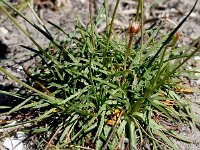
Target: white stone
{"x":20,"y":68}
{"x":189,"y":67}
{"x":3,"y":30}
{"x":196,"y":57}
{"x":15,"y":143}
{"x":82,"y":1}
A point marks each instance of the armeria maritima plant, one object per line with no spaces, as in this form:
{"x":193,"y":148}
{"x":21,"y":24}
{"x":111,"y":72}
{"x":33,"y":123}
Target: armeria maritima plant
{"x":99,"y":91}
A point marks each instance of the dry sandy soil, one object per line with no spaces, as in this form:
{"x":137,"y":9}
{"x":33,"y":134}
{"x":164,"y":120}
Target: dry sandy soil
{"x":12,"y":56}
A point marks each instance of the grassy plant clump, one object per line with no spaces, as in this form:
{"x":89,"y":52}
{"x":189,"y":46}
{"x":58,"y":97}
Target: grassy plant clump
{"x":104,"y":91}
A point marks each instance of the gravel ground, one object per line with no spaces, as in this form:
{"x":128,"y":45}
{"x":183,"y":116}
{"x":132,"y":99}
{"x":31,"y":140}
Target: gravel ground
{"x":12,"y":56}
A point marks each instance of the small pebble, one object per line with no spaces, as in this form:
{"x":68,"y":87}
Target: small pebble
{"x":196,"y":57}
{"x":20,"y":68}
{"x":189,"y":67}
{"x":1,"y":78}
{"x":3,"y":30}
{"x":13,"y":143}
{"x":82,"y":1}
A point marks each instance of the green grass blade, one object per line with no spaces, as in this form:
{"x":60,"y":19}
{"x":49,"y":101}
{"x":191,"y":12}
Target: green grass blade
{"x":51,"y":99}
{"x":5,"y":107}
{"x":69,"y":125}
{"x":18,"y":107}
{"x":164,"y":138}
{"x":11,"y":94}
{"x":171,"y":35}
{"x":101,"y":125}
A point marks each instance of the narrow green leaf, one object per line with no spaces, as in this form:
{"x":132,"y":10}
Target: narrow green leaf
{"x":5,"y":107}
{"x":101,"y":124}
{"x":73,"y":96}
{"x":45,"y":115}
{"x":11,"y":94}
{"x":178,"y":136}
{"x":160,"y":106}
{"x":18,"y":107}
{"x":69,"y":125}
{"x":51,"y":99}
{"x":167,"y":140}
{"x":106,"y":82}
{"x":40,"y":130}
{"x":131,"y":134}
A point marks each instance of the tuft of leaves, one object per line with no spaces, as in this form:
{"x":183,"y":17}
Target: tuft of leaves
{"x":98,"y":91}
